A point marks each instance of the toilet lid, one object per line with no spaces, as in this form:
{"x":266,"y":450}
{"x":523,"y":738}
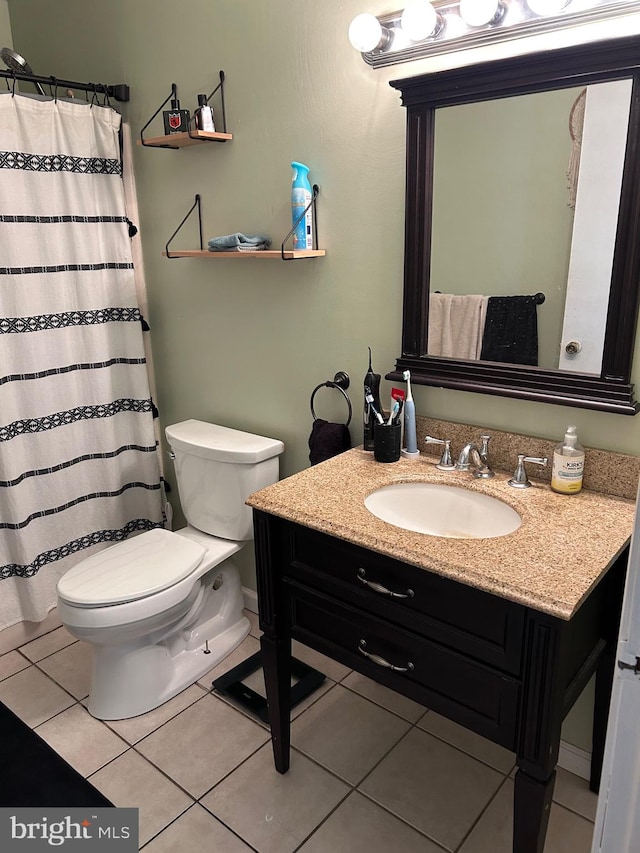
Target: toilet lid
{"x":129,"y":570}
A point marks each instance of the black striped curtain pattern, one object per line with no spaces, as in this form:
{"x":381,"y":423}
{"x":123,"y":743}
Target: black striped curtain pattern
{"x":78,"y":456}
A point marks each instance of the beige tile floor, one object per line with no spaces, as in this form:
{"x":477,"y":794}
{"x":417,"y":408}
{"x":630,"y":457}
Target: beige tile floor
{"x":370,"y":770}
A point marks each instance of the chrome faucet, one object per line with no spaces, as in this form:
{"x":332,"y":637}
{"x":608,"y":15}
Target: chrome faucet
{"x":471,"y":453}
{"x":446,"y":462}
{"x":520,"y":480}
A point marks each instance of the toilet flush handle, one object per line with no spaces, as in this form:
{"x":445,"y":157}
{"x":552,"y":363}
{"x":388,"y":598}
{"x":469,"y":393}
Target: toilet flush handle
{"x":172,"y":455}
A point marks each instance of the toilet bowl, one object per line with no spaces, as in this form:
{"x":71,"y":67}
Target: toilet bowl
{"x":162,"y":608}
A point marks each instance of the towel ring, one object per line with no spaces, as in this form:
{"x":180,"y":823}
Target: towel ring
{"x":341,"y":382}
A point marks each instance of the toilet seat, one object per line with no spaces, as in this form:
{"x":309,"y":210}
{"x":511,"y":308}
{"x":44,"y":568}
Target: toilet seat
{"x":217,"y":552}
{"x":131,"y":570}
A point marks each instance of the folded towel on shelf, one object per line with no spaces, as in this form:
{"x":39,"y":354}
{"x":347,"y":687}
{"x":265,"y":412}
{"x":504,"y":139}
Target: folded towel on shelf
{"x":511,"y":330}
{"x":327,"y":440}
{"x":239,"y":242}
{"x":456,"y":325}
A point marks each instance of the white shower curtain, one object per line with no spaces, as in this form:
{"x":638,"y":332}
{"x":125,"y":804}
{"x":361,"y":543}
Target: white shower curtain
{"x":78,"y":457}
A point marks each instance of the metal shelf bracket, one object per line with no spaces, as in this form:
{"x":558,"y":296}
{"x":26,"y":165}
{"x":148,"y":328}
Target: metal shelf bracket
{"x":195,"y":204}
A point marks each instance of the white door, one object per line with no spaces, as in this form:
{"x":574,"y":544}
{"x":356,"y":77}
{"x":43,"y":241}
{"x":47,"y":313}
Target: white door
{"x":617,"y":828}
{"x":604,"y":140}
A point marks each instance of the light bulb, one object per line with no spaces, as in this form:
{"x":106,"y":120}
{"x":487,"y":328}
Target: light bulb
{"x":398,"y":39}
{"x":419,"y":20}
{"x":476,"y":13}
{"x":365,"y":32}
{"x":546,"y":8}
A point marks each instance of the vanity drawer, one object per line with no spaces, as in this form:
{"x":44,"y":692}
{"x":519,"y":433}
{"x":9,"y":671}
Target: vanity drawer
{"x":466,"y":692}
{"x":465,"y":619}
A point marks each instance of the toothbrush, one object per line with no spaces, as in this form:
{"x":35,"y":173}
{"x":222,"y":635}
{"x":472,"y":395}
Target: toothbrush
{"x":409,"y":417}
{"x":394,"y":412}
{"x":399,"y":395}
{"x":368,"y":396}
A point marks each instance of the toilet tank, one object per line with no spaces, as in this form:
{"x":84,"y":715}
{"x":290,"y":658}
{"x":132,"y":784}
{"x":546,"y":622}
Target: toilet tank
{"x":217,"y":468}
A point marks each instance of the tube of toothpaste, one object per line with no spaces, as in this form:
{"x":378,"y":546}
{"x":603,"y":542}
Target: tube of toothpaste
{"x":398,"y":394}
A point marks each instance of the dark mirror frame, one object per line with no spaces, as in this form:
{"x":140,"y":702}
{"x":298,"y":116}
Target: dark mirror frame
{"x":574,"y":66}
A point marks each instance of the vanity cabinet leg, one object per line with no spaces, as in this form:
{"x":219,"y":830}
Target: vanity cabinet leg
{"x":276,"y":663}
{"x":604,"y":686}
{"x":531,"y":807}
{"x":605,"y":670}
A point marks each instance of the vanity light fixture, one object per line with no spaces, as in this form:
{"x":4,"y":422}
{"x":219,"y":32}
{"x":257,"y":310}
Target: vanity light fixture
{"x":544,"y":8}
{"x":477,"y":13}
{"x":428,"y":27}
{"x":420,"y":20}
{"x":367,"y":34}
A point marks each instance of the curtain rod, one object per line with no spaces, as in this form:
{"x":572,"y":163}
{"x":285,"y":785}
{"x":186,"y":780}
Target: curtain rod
{"x":119,"y":92}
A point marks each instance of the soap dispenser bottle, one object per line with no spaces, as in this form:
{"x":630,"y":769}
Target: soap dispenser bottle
{"x":372,"y":383}
{"x":204,"y":115}
{"x":568,"y":464}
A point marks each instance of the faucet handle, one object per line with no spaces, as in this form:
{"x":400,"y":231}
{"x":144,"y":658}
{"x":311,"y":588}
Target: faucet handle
{"x":484,"y":447}
{"x":446,"y":462}
{"x":520,"y":479}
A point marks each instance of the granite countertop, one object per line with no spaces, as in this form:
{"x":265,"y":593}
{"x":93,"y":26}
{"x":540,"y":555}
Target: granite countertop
{"x":562,"y":548}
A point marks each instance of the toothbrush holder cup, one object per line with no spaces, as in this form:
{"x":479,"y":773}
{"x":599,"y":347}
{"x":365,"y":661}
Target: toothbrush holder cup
{"x":386,"y":442}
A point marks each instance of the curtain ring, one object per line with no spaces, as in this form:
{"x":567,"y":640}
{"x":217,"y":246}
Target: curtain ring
{"x":13,"y":87}
{"x":54,"y":93}
{"x":94,"y":97}
{"x":107,"y":102}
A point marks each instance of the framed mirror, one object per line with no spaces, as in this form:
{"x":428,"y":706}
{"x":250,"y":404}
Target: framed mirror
{"x":523,"y":208}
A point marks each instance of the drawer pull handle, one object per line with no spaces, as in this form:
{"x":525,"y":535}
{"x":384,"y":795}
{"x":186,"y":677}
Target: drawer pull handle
{"x":362,"y":648}
{"x":377,"y":587}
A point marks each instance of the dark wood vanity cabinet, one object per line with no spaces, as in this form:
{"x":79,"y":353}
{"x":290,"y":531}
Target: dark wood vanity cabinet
{"x":497,"y":667}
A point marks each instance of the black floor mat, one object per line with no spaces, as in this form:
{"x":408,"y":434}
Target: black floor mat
{"x":33,"y":774}
{"x":306,"y":680}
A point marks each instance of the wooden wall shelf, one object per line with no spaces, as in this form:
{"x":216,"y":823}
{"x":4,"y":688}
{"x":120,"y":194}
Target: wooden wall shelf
{"x":191,"y":136}
{"x":287,"y":255}
{"x":182,"y":140}
{"x":282,"y":254}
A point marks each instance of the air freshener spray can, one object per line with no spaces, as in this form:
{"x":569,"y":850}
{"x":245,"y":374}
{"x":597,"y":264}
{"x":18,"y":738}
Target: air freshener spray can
{"x":300,"y":199}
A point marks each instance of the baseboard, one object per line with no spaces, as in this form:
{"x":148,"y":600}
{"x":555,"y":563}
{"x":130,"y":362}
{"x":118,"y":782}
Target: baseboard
{"x":250,"y":599}
{"x":574,"y":760}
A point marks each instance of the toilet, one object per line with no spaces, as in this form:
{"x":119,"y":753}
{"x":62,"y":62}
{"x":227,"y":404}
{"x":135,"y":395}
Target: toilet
{"x":162,"y":608}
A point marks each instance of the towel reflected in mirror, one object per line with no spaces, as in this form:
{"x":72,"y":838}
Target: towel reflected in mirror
{"x":456,"y":325}
{"x":493,"y":328}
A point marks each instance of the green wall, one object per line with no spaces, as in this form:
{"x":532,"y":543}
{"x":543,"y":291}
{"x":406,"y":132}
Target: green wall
{"x":5,"y":25}
{"x":244,"y":342}
{"x":502,"y":224}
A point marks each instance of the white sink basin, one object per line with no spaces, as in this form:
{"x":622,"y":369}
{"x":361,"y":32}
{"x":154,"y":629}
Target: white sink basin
{"x":446,"y":511}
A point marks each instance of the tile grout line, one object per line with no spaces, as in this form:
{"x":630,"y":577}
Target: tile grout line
{"x":29,"y":663}
{"x":73,"y":642}
{"x":402,"y":820}
{"x":482,"y":813}
{"x":355,"y":787}
{"x":351,"y":787}
{"x":325,"y":818}
{"x":53,"y":681}
{"x":381,"y":805}
{"x":415,"y":725}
